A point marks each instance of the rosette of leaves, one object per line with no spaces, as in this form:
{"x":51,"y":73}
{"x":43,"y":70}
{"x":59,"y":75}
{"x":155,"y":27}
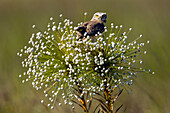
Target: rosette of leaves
{"x":81,"y":71}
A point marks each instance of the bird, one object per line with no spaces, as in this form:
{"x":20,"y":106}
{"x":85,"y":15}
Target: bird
{"x":92,"y":27}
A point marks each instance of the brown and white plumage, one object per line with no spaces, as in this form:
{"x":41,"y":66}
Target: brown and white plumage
{"x":92,"y":27}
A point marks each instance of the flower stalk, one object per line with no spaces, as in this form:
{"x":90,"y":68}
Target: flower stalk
{"x":81,"y":98}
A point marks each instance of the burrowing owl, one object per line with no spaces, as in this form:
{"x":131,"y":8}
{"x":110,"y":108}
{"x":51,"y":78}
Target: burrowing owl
{"x":92,"y":27}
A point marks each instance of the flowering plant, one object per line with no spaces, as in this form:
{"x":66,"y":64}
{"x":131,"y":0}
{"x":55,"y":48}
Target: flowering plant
{"x":81,"y":71}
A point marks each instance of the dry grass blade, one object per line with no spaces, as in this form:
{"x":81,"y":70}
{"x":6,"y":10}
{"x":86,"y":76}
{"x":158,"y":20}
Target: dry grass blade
{"x":124,"y":109}
{"x":101,"y":101}
{"x":99,"y":111}
{"x":77,"y":103}
{"x":90,"y":104}
{"x":115,"y":98}
{"x":104,"y":110}
{"x":99,"y":95}
{"x":118,"y":108}
{"x":96,"y":108}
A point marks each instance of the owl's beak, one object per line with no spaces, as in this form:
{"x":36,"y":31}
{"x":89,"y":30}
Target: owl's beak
{"x":104,"y":17}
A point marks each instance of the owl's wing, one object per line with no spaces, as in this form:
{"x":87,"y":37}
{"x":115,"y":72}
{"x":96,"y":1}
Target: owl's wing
{"x":82,"y":28}
{"x":95,"y":26}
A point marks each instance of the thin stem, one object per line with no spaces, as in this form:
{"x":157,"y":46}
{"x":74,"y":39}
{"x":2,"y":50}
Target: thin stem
{"x":107,"y":95}
{"x":82,"y":99}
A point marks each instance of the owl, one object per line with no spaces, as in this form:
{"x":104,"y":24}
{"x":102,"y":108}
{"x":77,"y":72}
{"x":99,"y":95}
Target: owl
{"x":92,"y":27}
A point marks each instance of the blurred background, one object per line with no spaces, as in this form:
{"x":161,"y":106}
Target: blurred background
{"x":151,"y":93}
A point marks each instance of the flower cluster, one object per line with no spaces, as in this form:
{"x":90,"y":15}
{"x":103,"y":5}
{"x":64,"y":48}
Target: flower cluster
{"x":58,"y":63}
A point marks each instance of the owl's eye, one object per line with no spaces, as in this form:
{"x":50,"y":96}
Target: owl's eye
{"x":97,"y":16}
